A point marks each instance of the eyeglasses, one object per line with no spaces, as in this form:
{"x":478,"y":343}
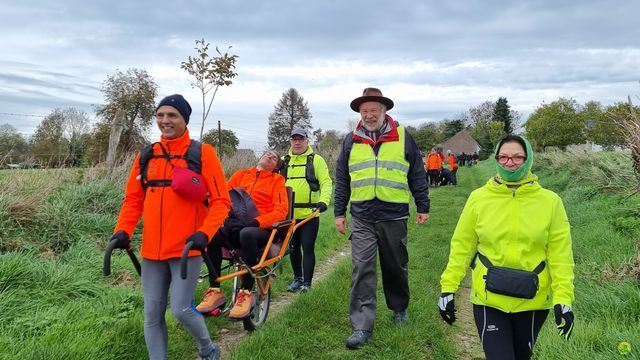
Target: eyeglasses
{"x":516,"y":159}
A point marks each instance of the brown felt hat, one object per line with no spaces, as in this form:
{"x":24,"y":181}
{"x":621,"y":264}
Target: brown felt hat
{"x":371,"y":94}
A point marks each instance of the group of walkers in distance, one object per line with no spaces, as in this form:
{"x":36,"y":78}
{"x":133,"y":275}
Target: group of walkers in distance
{"x":443,"y":169}
{"x":513,"y":233}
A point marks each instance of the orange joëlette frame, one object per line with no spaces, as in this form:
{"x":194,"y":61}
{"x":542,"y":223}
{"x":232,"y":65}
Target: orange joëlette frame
{"x":264,"y":262}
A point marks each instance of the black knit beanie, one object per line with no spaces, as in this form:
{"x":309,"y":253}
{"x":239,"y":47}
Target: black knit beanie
{"x":179,"y":103}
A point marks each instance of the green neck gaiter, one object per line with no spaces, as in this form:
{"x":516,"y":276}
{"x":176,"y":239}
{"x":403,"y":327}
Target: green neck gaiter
{"x":521,"y":172}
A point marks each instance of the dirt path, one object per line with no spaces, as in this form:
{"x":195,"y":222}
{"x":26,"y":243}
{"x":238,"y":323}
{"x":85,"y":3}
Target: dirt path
{"x":233,"y":332}
{"x":468,"y":344}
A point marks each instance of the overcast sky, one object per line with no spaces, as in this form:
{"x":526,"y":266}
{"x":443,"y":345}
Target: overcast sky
{"x":433,"y":59}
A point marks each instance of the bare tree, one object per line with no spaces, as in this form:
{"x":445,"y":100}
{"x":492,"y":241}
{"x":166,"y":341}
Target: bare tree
{"x":133,"y":92}
{"x":209,"y":74}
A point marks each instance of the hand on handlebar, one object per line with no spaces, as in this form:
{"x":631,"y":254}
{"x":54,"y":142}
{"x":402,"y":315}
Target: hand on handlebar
{"x":122,"y":240}
{"x":199,"y":239}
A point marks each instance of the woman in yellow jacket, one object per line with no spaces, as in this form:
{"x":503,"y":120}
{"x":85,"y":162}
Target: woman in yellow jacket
{"x":515,"y":235}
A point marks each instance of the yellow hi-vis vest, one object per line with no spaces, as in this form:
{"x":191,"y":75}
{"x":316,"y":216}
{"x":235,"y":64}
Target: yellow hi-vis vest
{"x":383,"y":176}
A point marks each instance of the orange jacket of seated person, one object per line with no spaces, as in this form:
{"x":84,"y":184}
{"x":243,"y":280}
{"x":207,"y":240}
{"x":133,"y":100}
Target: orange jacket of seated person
{"x":268,"y":191}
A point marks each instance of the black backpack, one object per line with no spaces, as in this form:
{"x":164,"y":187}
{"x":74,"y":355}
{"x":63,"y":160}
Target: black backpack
{"x":242,"y":205}
{"x":309,"y":172}
{"x":193,"y":157}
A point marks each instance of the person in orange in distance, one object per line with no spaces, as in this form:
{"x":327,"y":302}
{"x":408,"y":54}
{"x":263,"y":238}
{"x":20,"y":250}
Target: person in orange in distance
{"x":434,"y":165}
{"x":453,"y":165}
{"x":172,"y":219}
{"x":268,"y":192}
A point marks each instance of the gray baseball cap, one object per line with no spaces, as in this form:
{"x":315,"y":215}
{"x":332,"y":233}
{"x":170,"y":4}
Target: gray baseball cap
{"x":299,"y":132}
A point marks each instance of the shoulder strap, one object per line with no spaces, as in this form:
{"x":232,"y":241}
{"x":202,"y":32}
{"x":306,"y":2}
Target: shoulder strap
{"x":193,"y":157}
{"x":486,"y":262}
{"x":145,"y":155}
{"x":310,"y":174}
{"x":284,"y":168}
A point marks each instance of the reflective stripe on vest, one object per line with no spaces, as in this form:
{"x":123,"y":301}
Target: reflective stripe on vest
{"x":384,"y":177}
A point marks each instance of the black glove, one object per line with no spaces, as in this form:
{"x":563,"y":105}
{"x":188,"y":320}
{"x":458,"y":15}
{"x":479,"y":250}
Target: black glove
{"x":322,"y":207}
{"x":564,"y":320}
{"x":252,"y":223}
{"x":199,"y":239}
{"x":122,"y":240}
{"x":447,"y":308}
{"x":233,"y":224}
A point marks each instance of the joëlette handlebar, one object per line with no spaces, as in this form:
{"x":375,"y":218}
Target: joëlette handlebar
{"x":106,"y":264}
{"x":207,"y":260}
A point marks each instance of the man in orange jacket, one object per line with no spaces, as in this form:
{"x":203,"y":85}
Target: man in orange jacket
{"x":453,"y":165}
{"x":268,"y":192}
{"x":434,"y":165}
{"x":171,"y":220}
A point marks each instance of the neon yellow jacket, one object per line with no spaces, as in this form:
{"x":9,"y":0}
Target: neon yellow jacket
{"x":303,"y":194}
{"x":515,"y":229}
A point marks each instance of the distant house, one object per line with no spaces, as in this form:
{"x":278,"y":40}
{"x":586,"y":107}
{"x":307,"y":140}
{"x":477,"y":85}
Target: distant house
{"x":462,"y":142}
{"x":245,"y":152}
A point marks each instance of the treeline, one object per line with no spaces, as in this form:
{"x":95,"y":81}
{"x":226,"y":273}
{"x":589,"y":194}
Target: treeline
{"x":558,"y":124}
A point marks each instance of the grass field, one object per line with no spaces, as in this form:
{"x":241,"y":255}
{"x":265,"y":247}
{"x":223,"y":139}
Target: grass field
{"x":55,"y":304}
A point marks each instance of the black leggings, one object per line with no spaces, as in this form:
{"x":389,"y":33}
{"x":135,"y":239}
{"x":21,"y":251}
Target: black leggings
{"x":248,"y":240}
{"x":508,"y":336}
{"x":303,"y":246}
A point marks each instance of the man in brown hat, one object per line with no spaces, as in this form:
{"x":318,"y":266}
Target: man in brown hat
{"x":379,"y":169}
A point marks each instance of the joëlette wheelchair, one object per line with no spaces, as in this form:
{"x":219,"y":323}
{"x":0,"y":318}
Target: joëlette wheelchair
{"x":276,"y":249}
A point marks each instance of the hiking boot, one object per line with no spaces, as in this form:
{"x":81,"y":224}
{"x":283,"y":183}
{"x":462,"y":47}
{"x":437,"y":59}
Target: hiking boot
{"x":305,"y":287}
{"x":358,"y":338}
{"x":213,"y":299}
{"x":213,"y":355}
{"x":244,"y":303}
{"x":295,"y":285}
{"x":400,"y":317}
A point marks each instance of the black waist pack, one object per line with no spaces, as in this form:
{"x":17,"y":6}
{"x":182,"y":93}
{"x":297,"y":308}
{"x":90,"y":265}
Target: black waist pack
{"x":511,"y":282}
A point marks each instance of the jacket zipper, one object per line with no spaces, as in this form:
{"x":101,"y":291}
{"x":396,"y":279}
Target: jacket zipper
{"x":375,"y":174}
{"x":255,"y":182}
{"x":166,"y":164}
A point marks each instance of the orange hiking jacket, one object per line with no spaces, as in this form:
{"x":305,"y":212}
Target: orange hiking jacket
{"x":168,"y":218}
{"x":452,"y":162}
{"x":268,"y":192}
{"x":434,"y":162}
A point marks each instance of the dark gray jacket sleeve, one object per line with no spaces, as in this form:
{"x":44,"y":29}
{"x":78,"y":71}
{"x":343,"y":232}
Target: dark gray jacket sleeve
{"x":417,"y":176}
{"x":343,"y":179}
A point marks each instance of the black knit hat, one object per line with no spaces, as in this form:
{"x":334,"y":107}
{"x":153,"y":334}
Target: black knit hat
{"x":179,"y":103}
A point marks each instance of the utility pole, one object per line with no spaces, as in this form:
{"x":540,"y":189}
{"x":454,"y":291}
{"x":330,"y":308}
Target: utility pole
{"x":219,"y":140}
